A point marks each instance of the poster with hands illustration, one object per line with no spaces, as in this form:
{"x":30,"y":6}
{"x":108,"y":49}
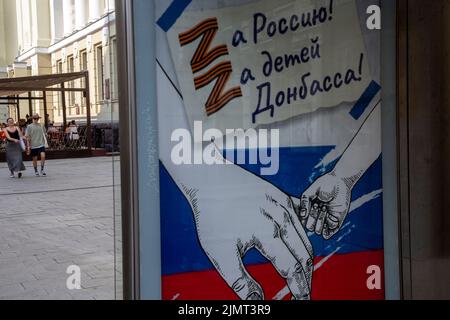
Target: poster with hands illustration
{"x":311,"y":230}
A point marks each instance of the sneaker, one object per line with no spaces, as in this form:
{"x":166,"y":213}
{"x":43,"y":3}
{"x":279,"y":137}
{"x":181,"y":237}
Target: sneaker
{"x":43,"y":173}
{"x":19,"y":175}
{"x":11,"y":176}
{"x":36,"y":174}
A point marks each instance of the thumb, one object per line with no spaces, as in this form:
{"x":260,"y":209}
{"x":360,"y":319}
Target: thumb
{"x":333,"y":224}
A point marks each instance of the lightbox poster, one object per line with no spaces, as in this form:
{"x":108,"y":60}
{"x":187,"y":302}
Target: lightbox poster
{"x":295,"y":213}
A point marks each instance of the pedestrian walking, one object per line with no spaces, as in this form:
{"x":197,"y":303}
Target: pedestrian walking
{"x":37,"y":142}
{"x":14,"y":149}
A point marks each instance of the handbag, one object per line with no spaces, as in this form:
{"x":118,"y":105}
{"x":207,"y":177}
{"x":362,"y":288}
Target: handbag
{"x":22,"y":144}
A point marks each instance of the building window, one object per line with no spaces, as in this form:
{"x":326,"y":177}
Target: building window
{"x":99,"y":69}
{"x":59,"y":70}
{"x":114,"y":78}
{"x":70,"y":65}
{"x":70,"y":69}
{"x":60,"y":67}
{"x":83,"y":67}
{"x":83,"y":61}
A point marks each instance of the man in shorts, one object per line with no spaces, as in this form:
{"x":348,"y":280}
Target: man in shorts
{"x":37,"y":141}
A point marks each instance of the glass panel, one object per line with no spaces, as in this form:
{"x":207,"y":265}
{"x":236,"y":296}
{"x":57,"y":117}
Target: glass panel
{"x":111,"y":94}
{"x":60,"y":218}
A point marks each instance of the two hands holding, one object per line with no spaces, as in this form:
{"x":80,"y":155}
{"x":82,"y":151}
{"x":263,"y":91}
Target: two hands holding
{"x":268,"y":220}
{"x":258,"y":215}
{"x":25,"y":145}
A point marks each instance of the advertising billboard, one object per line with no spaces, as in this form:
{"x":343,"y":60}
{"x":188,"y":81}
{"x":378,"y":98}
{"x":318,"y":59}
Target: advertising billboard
{"x":269,"y":116}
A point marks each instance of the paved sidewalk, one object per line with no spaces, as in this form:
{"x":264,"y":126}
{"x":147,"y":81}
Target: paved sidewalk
{"x":49,"y":223}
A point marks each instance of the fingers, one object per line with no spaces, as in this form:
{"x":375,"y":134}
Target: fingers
{"x":321,"y":220}
{"x":331,"y":226}
{"x":312,"y":218}
{"x":301,"y":249}
{"x":284,"y":214}
{"x":300,"y":285}
{"x":300,"y":230}
{"x":319,"y":217}
{"x":294,"y":243}
{"x":286,"y":264}
{"x":332,"y":222}
{"x":230,"y":266}
{"x":304,"y":208}
{"x":313,"y":212}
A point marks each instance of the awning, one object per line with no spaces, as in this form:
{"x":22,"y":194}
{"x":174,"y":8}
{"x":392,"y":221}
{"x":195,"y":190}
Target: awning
{"x":20,"y":85}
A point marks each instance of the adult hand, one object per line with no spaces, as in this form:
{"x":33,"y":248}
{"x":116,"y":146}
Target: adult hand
{"x":231,"y":219}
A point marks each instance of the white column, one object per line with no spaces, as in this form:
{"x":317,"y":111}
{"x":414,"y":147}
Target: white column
{"x":56,"y":20}
{"x":26,"y":24}
{"x":81,"y":13}
{"x":95,"y":10}
{"x":68,"y":17}
{"x":109,"y":5}
{"x":3,"y":44}
{"x":19,"y":24}
{"x":41,"y":24}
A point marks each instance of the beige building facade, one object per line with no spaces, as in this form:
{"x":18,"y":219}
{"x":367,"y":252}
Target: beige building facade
{"x":39,"y":37}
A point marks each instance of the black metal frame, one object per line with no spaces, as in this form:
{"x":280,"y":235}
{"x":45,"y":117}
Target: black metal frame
{"x":128,"y":139}
{"x":129,"y":169}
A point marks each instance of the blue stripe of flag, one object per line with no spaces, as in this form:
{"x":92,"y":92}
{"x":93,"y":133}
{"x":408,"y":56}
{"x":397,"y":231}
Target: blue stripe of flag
{"x":171,"y":15}
{"x":363,"y":102}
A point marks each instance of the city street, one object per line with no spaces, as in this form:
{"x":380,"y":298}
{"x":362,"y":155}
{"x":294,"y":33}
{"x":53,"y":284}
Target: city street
{"x":50,"y":223}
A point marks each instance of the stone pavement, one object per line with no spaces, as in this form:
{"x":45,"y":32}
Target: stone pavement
{"x":49,"y":223}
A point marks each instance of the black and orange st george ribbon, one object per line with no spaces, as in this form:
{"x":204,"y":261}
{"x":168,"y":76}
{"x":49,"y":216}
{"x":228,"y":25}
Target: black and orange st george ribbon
{"x":203,"y":57}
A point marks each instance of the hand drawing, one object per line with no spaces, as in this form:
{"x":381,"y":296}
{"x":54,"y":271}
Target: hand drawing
{"x":251,"y":214}
{"x":323,"y":207}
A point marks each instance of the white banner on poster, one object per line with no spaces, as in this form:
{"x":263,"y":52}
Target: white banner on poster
{"x":268,"y":61}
